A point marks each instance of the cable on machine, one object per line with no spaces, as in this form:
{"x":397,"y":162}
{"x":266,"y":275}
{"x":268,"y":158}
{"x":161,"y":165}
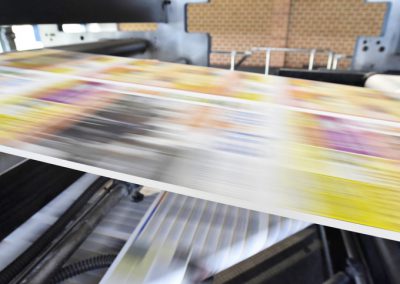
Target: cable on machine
{"x":74,"y":269}
{"x":15,"y":267}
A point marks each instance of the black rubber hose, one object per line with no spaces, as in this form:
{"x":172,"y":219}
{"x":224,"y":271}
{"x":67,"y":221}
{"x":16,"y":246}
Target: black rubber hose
{"x":12,"y":270}
{"x":74,"y":269}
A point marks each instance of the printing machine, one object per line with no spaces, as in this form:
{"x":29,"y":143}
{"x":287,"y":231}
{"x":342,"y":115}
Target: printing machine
{"x":63,"y":226}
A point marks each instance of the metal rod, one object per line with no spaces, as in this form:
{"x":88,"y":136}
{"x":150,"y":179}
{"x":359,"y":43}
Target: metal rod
{"x":389,"y":255}
{"x":284,"y":49}
{"x":339,"y":278}
{"x":327,"y":252}
{"x":43,"y":272}
{"x":311,"y":59}
{"x":335,"y":61}
{"x":330,"y":60}
{"x":32,"y":254}
{"x":331,"y":63}
{"x":224,"y":52}
{"x":233,"y":60}
{"x":348,"y":244}
{"x":243,"y":59}
{"x":267,"y":61}
{"x":352,"y":254}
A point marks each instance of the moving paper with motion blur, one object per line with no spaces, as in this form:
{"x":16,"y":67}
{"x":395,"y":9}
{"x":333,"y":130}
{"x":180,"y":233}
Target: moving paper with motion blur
{"x":312,"y":151}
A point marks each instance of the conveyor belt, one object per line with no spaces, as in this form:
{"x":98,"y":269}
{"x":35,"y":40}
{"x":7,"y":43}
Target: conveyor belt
{"x":182,"y":231}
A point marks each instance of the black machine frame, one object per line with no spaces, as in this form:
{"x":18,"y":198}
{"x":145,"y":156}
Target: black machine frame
{"x":18,"y":12}
{"x":170,"y":42}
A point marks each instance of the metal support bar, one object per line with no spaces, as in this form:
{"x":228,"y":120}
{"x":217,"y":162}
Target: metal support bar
{"x":312,"y":53}
{"x":267,"y":61}
{"x":311,"y":59}
{"x":233,"y":60}
{"x":390,"y":257}
{"x":44,"y":270}
{"x":233,"y":55}
{"x":332,"y":57}
{"x":330,"y":60}
{"x":246,"y":55}
{"x":356,"y":263}
{"x":32,"y":254}
{"x":327,"y":252}
{"x":337,"y":58}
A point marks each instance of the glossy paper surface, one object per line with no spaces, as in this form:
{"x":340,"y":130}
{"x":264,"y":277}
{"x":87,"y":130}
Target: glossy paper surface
{"x":314,"y":151}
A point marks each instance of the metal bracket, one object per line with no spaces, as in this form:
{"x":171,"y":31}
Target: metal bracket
{"x":171,"y":41}
{"x":381,"y":53}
